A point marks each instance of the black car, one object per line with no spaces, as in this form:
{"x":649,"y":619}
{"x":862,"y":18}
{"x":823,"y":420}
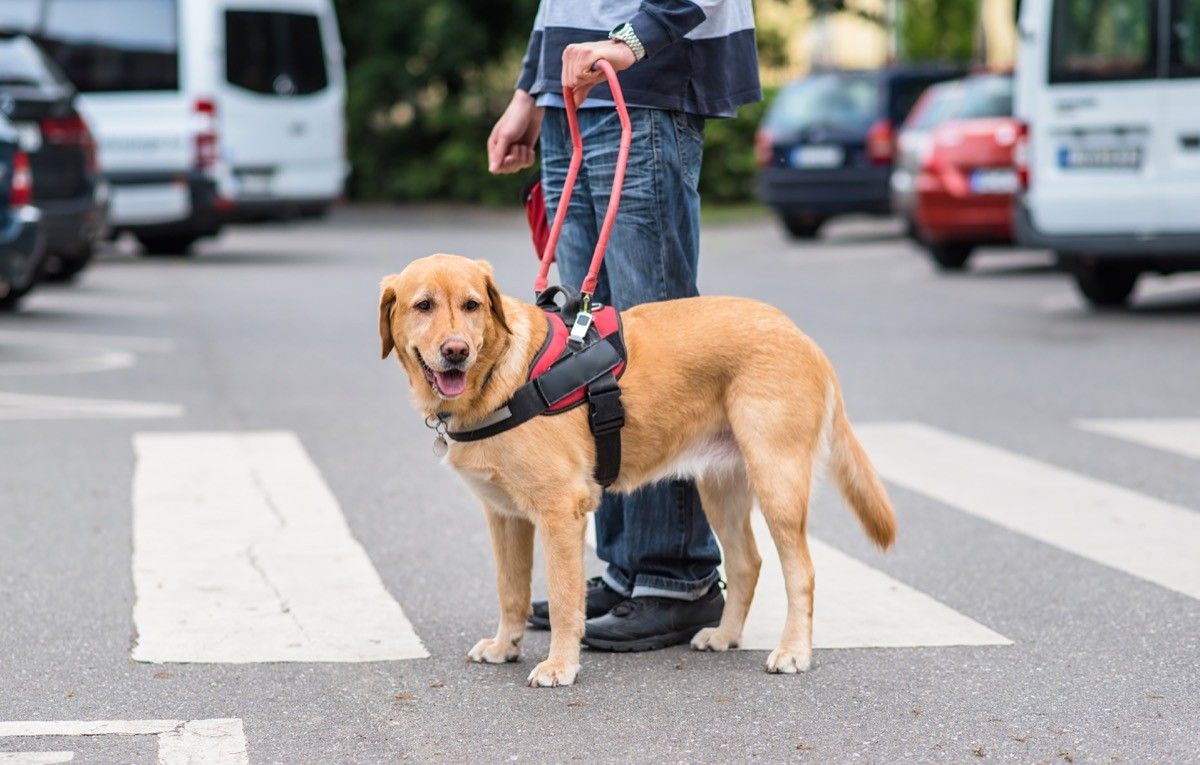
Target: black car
{"x":40,"y":103}
{"x":826,"y":145}
{"x":22,"y":251}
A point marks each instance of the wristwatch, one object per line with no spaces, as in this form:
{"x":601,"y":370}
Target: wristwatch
{"x":623,"y":32}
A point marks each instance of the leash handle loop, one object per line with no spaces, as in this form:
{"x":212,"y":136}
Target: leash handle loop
{"x":564,"y":201}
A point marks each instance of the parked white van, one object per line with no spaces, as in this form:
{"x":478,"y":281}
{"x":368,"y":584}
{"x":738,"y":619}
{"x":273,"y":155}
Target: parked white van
{"x":205,"y":111}
{"x":1110,"y":94}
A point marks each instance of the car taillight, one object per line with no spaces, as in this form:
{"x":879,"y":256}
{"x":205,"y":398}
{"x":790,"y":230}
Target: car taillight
{"x":21,"y":191}
{"x":764,"y":148}
{"x":206,"y":136}
{"x":1020,"y":155}
{"x":71,"y":131}
{"x":881,"y":143}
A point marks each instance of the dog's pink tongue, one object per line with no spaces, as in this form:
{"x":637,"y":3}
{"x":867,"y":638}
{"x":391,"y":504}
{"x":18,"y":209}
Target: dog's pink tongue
{"x":451,"y":383}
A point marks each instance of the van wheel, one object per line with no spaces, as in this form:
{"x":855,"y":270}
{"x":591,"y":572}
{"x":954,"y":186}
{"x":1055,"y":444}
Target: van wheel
{"x":166,"y":245}
{"x":1106,"y":285}
{"x":803,"y":228}
{"x":950,"y":257}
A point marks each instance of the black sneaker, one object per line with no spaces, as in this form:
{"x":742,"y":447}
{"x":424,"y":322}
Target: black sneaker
{"x":647,"y":624}
{"x":600,"y":600}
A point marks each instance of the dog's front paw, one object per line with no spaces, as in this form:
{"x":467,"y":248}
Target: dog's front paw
{"x":551,"y":673}
{"x":493,"y":651}
{"x":788,"y":662}
{"x":712,"y":639}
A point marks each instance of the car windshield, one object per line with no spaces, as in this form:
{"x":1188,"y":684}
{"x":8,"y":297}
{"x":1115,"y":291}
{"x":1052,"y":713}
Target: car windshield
{"x":972,"y":98}
{"x":22,"y":63}
{"x":829,"y":101}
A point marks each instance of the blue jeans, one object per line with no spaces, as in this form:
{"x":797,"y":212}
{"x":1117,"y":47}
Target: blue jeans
{"x":656,"y":540}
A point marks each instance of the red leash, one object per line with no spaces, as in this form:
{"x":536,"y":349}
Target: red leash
{"x":614,"y":199}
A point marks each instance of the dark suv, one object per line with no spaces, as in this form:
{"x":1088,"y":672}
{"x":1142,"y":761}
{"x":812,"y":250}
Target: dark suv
{"x":826,"y":144}
{"x":40,"y":103}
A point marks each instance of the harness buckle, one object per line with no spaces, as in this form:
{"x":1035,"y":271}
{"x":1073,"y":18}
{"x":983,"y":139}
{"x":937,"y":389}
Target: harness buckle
{"x":606,"y":414}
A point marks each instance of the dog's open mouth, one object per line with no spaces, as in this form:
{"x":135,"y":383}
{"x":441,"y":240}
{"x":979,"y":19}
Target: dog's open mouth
{"x":448,"y":384}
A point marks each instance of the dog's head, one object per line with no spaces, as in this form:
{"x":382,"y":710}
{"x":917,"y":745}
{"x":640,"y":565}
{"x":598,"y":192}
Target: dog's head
{"x":444,"y":318}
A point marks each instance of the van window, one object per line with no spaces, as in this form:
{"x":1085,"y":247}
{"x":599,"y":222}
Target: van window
{"x":828,"y":101}
{"x":114,"y":45}
{"x":278,"y":54}
{"x":1185,"y":38}
{"x":1099,"y":40}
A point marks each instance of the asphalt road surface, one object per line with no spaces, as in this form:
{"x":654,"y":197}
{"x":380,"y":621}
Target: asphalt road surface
{"x":225,"y":535}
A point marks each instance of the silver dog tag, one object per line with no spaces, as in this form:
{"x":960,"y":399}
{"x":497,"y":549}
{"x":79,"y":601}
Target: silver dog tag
{"x":440,"y":447}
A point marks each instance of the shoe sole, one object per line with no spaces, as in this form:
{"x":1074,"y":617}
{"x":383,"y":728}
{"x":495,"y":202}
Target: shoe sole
{"x":537,"y":623}
{"x":652,"y":643}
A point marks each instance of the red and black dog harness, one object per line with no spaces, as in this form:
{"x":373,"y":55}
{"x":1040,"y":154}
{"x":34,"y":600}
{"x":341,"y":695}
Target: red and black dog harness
{"x":569,"y":370}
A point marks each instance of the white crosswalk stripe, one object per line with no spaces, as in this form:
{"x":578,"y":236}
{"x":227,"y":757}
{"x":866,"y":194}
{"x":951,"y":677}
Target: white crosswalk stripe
{"x":241,"y":554}
{"x":857,"y":606}
{"x":1111,"y":525}
{"x":219,"y":741}
{"x":1181,"y":436}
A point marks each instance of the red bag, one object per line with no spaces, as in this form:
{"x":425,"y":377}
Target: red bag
{"x":535,"y":211}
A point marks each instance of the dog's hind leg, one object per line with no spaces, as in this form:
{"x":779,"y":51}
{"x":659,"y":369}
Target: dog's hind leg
{"x":727,"y":502}
{"x":783,"y":496}
{"x":512,"y":547}
{"x":780,"y":439}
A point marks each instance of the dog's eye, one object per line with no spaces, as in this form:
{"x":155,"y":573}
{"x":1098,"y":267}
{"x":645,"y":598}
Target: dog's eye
{"x":423,"y":306}
{"x":471,"y":305}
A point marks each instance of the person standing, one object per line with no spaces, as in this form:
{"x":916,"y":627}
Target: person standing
{"x":678,"y":62}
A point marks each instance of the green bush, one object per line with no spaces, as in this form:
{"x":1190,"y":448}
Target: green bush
{"x":727,"y":174}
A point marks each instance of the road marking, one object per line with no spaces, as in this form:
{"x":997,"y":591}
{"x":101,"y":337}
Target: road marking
{"x":856,"y":606}
{"x":64,"y":363}
{"x":1139,"y":535}
{"x":35,"y":758}
{"x":1181,"y":436}
{"x":180,"y":742}
{"x":241,"y":554}
{"x":20,"y":406}
{"x":74,"y":302}
{"x":86,"y":340}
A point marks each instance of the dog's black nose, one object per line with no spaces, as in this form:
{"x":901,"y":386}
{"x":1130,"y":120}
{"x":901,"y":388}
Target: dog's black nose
{"x":455,"y":351}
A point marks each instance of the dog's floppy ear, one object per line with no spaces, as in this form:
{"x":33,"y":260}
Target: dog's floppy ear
{"x":494,"y":300}
{"x":387,"y":301}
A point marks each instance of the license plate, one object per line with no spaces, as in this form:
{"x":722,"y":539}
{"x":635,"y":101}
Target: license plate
{"x":29,"y":136}
{"x":254,"y":184}
{"x":818,"y":156}
{"x":1100,"y":158}
{"x":1001,"y":181}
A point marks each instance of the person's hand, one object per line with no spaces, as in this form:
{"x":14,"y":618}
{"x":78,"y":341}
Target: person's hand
{"x":510,"y":146}
{"x":577,"y":61}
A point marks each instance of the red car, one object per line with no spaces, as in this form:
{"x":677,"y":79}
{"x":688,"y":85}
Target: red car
{"x":962,"y":190}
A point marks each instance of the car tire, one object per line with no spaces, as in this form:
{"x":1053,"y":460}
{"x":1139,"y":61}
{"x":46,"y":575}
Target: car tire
{"x":950,"y":257}
{"x":12,"y":299}
{"x":803,"y":228}
{"x":167,"y":245}
{"x":64,"y":269}
{"x":1106,"y":285}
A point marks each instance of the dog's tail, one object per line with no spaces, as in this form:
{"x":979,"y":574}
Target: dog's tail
{"x":855,"y":476}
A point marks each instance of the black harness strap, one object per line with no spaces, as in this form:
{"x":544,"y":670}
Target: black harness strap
{"x":606,"y":416}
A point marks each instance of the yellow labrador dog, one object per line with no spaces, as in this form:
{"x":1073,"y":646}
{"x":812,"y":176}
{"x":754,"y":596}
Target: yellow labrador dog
{"x":724,"y":390}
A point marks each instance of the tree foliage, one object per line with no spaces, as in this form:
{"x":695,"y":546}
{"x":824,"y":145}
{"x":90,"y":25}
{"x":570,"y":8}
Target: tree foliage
{"x":938,"y":30}
{"x":426,"y":80}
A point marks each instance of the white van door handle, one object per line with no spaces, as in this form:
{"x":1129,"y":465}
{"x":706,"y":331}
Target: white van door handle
{"x":1071,"y":104}
{"x":1190,"y":141}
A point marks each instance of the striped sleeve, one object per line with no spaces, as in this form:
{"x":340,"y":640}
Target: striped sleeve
{"x":660,"y":23}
